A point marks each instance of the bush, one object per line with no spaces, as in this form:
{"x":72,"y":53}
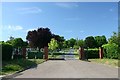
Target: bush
{"x":39,"y":55}
{"x":31,"y":55}
{"x":17,"y":56}
{"x":6,"y":51}
{"x":91,"y":53}
{"x":111,"y":50}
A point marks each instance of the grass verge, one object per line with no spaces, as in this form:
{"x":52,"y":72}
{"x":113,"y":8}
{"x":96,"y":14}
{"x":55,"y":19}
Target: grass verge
{"x":12,"y":66}
{"x":111,"y":62}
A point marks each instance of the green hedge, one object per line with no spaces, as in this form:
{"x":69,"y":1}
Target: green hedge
{"x":91,"y":53}
{"x":39,"y":55}
{"x":32,"y":55}
{"x":111,"y":51}
{"x":6,"y":51}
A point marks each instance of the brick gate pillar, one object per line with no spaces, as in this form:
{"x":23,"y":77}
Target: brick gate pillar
{"x":81,"y":52}
{"x":101,"y":52}
{"x":24,"y":52}
{"x":46,"y":53}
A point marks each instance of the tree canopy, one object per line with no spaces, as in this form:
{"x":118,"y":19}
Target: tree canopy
{"x":53,"y":44}
{"x":39,"y":38}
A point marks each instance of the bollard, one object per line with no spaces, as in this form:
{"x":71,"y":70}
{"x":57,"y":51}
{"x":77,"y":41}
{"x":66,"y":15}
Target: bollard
{"x":81,"y":52}
{"x":101,"y":52}
{"x":24,"y":52}
{"x":46,"y":53}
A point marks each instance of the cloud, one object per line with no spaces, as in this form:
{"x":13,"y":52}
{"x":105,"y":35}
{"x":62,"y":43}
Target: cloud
{"x":30,"y":10}
{"x":14,"y":28}
{"x":67,"y":5}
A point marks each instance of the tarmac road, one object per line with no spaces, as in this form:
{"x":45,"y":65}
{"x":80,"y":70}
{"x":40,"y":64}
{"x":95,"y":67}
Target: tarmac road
{"x":69,"y":69}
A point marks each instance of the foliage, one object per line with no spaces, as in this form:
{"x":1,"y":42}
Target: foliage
{"x":65,"y":44}
{"x":115,"y":38}
{"x":33,"y":55}
{"x":111,"y":50}
{"x":39,"y":38}
{"x":60,"y":40}
{"x":100,"y":40}
{"x":71,"y":42}
{"x":6,"y":51}
{"x":53,"y":44}
{"x":92,"y":53}
{"x":90,"y":42}
{"x":79,"y":43}
{"x":17,"y":42}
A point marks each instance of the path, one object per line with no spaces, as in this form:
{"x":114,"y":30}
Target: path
{"x":69,"y":69}
{"x":70,"y":55}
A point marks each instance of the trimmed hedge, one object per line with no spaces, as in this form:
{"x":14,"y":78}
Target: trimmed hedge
{"x":6,"y":51}
{"x":32,"y":55}
{"x":17,"y":56}
{"x":91,"y":53}
{"x":39,"y":55}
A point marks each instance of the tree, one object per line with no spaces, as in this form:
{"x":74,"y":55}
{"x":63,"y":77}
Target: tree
{"x":17,"y":42}
{"x":100,"y":40}
{"x":114,"y":38}
{"x":39,"y":38}
{"x":65,"y":44}
{"x":53,"y":44}
{"x":79,"y":43}
{"x":90,"y":42}
{"x":71,"y":42}
{"x":60,"y":40}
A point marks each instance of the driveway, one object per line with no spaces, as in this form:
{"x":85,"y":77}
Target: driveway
{"x":69,"y":69}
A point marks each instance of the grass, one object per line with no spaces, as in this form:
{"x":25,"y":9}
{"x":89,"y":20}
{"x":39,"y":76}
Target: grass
{"x":111,"y":62}
{"x":12,"y":66}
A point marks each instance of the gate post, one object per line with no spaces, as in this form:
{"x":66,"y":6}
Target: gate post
{"x":81,"y":52}
{"x":100,"y":52}
{"x":46,"y":53}
{"x":24,"y":52}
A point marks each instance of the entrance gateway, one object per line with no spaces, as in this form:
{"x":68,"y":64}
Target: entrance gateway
{"x":71,"y":56}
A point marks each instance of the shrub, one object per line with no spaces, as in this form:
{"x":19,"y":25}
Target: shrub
{"x":17,"y":56}
{"x":91,"y":53}
{"x":6,"y":51}
{"x":111,"y":50}
{"x":31,"y":55}
{"x":39,"y":55}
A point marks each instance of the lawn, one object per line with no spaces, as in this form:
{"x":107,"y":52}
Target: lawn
{"x":111,"y":62}
{"x":13,"y":66}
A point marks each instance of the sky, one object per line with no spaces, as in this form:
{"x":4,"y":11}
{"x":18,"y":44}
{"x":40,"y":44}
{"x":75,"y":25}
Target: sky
{"x":68,"y":19}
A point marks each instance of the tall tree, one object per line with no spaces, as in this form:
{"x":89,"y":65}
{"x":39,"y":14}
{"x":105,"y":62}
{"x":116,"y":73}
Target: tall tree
{"x":90,"y":42}
{"x":39,"y":38}
{"x":60,"y":40}
{"x":114,"y":38}
{"x":71,"y":42}
{"x":100,"y":40}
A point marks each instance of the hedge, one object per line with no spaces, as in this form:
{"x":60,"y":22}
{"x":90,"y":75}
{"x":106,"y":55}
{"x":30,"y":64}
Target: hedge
{"x":91,"y":53}
{"x":33,"y":55}
{"x":111,"y":51}
{"x":6,"y":51}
